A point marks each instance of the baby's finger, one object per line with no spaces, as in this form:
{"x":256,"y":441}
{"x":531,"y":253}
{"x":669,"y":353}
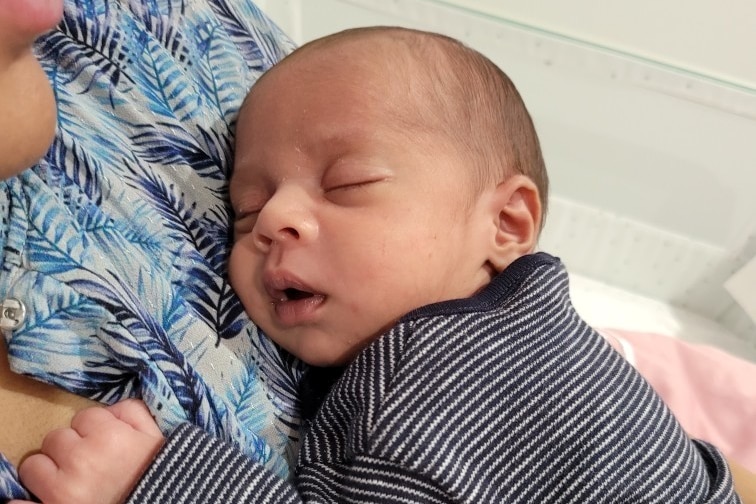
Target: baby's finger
{"x":59,"y":444}
{"x":39,"y":474}
{"x":89,"y":419}
{"x":136,"y":414}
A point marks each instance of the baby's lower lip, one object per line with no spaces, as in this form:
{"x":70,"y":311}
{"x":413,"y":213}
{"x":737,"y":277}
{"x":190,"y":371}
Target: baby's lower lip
{"x":298,"y":311}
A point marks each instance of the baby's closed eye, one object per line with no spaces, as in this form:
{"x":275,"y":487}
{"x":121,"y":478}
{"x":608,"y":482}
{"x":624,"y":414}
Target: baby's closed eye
{"x":244,"y":221}
{"x":346,"y":183}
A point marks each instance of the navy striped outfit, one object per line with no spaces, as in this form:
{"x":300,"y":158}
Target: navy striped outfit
{"x":505,"y":397}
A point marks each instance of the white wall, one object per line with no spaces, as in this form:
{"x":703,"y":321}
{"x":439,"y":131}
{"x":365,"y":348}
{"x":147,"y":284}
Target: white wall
{"x":714,"y":38}
{"x":647,"y":116}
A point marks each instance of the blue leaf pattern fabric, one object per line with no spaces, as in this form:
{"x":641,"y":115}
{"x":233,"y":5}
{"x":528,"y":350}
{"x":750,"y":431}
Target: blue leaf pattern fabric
{"x":117,"y":241}
{"x":10,"y":488}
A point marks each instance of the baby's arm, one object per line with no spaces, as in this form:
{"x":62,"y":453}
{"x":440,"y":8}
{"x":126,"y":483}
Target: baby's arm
{"x":103,"y":455}
{"x":98,"y":459}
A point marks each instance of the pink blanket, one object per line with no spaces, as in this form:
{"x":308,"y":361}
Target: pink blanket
{"x":711,"y":392}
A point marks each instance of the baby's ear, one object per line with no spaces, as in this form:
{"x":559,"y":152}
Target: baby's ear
{"x":516,"y":213}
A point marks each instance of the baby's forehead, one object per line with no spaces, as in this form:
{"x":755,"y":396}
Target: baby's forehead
{"x":376,"y":75}
{"x":390,"y":57}
{"x":380,"y":68}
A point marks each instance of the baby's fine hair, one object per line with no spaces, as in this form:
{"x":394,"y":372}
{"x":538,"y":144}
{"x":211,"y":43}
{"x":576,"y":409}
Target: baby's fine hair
{"x":460,"y":93}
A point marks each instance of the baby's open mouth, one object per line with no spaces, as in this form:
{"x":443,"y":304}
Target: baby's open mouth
{"x":285,"y":289}
{"x":293,"y":294}
{"x":294,"y":306}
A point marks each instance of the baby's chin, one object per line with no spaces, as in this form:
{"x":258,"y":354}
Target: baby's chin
{"x":318,"y":349}
{"x":323,"y":357}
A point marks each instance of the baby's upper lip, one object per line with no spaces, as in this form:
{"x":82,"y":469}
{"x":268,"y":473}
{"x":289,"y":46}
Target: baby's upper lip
{"x":278,"y":282}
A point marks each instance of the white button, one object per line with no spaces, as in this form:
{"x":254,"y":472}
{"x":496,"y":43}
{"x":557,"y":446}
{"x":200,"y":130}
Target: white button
{"x":12,"y":314}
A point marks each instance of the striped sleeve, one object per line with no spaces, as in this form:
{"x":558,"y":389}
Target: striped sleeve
{"x":194,"y":468}
{"x":721,"y":490}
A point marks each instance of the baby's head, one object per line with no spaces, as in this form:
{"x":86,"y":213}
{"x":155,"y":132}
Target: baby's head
{"x":377,"y":170}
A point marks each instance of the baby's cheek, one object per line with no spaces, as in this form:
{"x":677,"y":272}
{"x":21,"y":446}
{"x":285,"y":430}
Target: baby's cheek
{"x":233,"y":267}
{"x":241,"y":276}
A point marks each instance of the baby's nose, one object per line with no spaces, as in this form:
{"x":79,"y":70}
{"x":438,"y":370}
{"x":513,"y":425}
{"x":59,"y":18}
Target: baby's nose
{"x":283,"y":219}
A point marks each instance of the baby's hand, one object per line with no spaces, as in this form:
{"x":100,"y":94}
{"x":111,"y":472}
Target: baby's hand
{"x":98,"y":460}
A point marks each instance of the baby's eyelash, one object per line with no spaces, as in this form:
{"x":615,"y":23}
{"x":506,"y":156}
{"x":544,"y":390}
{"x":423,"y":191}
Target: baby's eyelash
{"x":351,"y":185}
{"x":240,"y":214}
{"x":345,"y":186}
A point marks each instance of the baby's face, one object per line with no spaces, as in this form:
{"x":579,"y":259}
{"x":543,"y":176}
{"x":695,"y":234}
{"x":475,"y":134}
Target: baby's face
{"x":27,"y":109}
{"x":344,"y":221}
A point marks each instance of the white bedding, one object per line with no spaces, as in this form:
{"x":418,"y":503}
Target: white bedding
{"x":605,"y":306}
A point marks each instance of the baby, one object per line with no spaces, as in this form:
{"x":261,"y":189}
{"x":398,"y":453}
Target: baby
{"x":389,"y":190}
